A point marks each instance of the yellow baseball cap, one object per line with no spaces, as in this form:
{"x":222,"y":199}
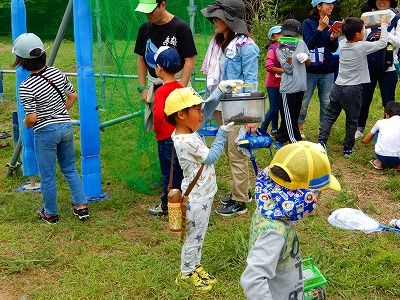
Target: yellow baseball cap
{"x":180,"y":99}
{"x":306,"y":164}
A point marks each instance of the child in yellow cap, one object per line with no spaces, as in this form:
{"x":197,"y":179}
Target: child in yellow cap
{"x":286,"y":191}
{"x":183,"y":108}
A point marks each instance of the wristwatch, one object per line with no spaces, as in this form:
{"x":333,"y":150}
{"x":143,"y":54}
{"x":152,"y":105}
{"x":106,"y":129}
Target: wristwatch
{"x":141,"y":88}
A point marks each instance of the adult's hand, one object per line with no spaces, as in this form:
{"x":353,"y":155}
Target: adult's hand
{"x":252,"y":127}
{"x":227,"y":86}
{"x":335,"y":34}
{"x":143,"y":95}
{"x":323,"y":23}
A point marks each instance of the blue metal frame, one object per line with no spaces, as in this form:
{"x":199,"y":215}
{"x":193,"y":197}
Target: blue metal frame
{"x":18,"y":25}
{"x":88,"y":110}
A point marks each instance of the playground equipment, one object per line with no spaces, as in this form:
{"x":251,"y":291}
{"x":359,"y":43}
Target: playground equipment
{"x":114,"y":30}
{"x":89,"y":118}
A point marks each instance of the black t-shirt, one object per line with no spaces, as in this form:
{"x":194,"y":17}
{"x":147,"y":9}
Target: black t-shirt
{"x":175,"y":33}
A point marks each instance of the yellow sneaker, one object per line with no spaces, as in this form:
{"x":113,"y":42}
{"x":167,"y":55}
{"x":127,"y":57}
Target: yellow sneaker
{"x":194,"y":279}
{"x":205,"y":276}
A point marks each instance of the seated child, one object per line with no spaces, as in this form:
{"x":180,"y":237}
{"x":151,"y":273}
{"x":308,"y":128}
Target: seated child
{"x":293,"y":83}
{"x":286,"y":191}
{"x":346,"y":93}
{"x":183,"y":108}
{"x":387,"y":147}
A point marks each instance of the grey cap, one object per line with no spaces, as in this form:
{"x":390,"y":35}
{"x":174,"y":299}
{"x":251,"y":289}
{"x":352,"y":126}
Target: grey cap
{"x":232,"y":12}
{"x":25,"y":43}
{"x":291,"y":27}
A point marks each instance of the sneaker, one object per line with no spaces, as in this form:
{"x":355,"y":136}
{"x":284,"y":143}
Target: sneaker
{"x":49,"y":219}
{"x":205,"y":276}
{"x":82,"y":213}
{"x":347,"y":153}
{"x":272,"y":133}
{"x":157,"y":211}
{"x":231,"y":208}
{"x":193,"y":278}
{"x":358,"y":134}
{"x":323,"y":144}
{"x":225,"y":199}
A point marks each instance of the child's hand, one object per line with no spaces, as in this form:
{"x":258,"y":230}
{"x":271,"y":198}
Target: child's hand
{"x":228,"y":127}
{"x":302,"y":57}
{"x":227,"y":86}
{"x":385,"y":21}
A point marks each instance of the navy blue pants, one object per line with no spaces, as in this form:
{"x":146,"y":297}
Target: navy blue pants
{"x":387,"y":84}
{"x":348,"y":98}
{"x":164,"y":154}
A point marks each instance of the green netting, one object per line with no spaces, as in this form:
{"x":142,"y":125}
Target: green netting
{"x":128,"y":151}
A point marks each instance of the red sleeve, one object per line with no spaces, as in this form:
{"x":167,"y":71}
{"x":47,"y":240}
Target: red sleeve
{"x":270,"y":60}
{"x":161,"y":127}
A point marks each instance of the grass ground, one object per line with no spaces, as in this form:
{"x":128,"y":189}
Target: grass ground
{"x":123,"y":253}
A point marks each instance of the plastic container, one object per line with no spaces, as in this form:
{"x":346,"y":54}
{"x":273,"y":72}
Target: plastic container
{"x":243,"y":108}
{"x":288,"y":45}
{"x":372,"y":19}
{"x":314,"y":281}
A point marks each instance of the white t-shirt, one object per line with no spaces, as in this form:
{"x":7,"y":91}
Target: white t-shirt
{"x":192,"y":152}
{"x":388,"y":143}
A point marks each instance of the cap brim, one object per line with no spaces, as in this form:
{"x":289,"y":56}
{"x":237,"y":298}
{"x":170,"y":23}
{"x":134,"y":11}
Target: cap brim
{"x":290,"y":33}
{"x":334,"y":184}
{"x":146,"y":8}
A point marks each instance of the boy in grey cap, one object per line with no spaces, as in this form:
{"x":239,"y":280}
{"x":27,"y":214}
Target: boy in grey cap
{"x":293,"y":82}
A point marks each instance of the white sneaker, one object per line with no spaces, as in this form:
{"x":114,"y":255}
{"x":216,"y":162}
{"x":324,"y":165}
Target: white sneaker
{"x":358,"y":134}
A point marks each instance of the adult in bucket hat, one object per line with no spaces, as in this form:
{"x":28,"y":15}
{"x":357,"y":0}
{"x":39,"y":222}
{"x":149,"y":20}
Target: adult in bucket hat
{"x":285,"y":192}
{"x":231,"y":54}
{"x":170,"y":31}
{"x":232,"y":12}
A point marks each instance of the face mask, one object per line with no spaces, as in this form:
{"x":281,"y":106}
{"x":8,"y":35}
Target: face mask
{"x":277,"y":202}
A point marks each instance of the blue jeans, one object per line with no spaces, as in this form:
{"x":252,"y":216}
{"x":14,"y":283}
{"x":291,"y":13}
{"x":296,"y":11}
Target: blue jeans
{"x":387,"y":84}
{"x":165,"y":148}
{"x":275,"y":98}
{"x":324,"y":82}
{"x":388,"y":161}
{"x":56,"y":141}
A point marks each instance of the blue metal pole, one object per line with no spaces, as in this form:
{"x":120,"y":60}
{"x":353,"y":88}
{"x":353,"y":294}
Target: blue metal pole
{"x":89,"y":116}
{"x":1,"y":86}
{"x":18,"y":25}
{"x":15,"y":127}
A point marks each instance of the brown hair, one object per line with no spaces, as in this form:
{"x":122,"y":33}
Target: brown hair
{"x":222,"y":42}
{"x":280,"y":173}
{"x":31,"y":64}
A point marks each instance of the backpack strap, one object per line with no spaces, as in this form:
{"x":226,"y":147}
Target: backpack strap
{"x":49,"y":82}
{"x":393,"y":23}
{"x":185,"y":199}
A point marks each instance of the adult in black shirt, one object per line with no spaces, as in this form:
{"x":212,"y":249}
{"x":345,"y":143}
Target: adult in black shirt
{"x":163,"y":29}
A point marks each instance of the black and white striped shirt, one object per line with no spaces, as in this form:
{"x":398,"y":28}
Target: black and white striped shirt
{"x":40,"y":97}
